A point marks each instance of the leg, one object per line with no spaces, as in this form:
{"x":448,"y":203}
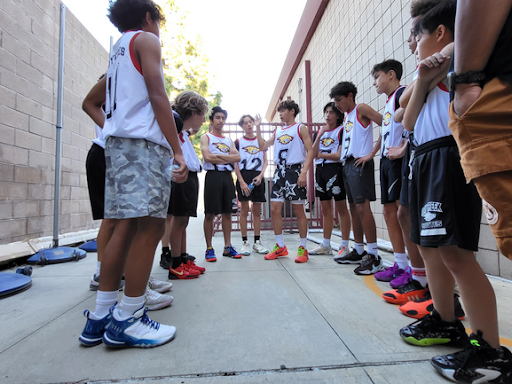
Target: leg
{"x":226,"y":228}
{"x":357,"y":226}
{"x":256,"y":218}
{"x":104,"y":235}
{"x":179,"y":226}
{"x":184,"y":238}
{"x":395,"y":231}
{"x":277,"y":219}
{"x":208,"y":228}
{"x":404,"y":219}
{"x":327,"y":218}
{"x":244,"y":212}
{"x":367,"y":221}
{"x":345,"y":222}
{"x":302,"y":220}
{"x":166,"y":238}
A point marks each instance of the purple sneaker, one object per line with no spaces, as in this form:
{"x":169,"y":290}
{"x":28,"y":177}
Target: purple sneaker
{"x":389,"y":273}
{"x":403,"y":279}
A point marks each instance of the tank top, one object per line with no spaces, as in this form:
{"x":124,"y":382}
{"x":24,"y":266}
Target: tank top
{"x":288,"y":146}
{"x":329,"y":143}
{"x":191,"y":159}
{"x":357,"y":139}
{"x":99,"y":140}
{"x":251,"y":158}
{"x":392,"y":132}
{"x":218,"y":145}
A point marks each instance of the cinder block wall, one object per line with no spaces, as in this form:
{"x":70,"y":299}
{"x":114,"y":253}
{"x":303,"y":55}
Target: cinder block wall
{"x":29,"y":51}
{"x":351,"y":38}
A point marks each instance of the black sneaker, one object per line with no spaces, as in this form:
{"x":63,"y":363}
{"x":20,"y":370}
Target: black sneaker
{"x":369,"y":265}
{"x":166,"y":260}
{"x":352,"y":258}
{"x":187,"y":257}
{"x":432,"y":330}
{"x":479,"y":363}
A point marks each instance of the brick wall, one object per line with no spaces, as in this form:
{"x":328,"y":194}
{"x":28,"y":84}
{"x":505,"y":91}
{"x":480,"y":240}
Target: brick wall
{"x":29,"y":50}
{"x":351,"y":38}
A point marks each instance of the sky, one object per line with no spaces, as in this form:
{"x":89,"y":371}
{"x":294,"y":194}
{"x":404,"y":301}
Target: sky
{"x":246,"y":42}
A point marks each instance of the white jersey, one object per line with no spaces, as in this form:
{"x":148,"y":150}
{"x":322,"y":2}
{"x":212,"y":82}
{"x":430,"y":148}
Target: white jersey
{"x":128,"y":111}
{"x":99,"y":140}
{"x":218,"y":145}
{"x":251,"y":158}
{"x":432,"y":122}
{"x":357,"y":139}
{"x":392,"y":132}
{"x":191,"y":159}
{"x":329,"y":143}
{"x":288,"y":146}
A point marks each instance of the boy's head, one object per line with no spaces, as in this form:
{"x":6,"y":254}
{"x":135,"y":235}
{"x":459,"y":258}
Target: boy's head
{"x":333,"y":116}
{"x":191,"y":107}
{"x":436,"y":29}
{"x":218,"y":117}
{"x":247,"y":123}
{"x":418,"y":9}
{"x":288,"y":110}
{"x":387,"y":76}
{"x":344,"y":95}
{"x":129,"y":15}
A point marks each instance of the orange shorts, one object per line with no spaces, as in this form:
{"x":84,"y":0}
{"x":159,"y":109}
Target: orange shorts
{"x":484,"y":138}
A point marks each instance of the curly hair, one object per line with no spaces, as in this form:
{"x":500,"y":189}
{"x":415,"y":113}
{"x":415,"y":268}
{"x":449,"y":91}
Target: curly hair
{"x":131,"y":14}
{"x":343,"y":88}
{"x":289,"y":105}
{"x":241,"y":121}
{"x":189,"y":102}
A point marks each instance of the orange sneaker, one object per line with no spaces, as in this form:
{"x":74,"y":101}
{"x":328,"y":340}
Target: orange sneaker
{"x":277,"y":252}
{"x":409,"y":292}
{"x":192,"y":265}
{"x":302,"y":255}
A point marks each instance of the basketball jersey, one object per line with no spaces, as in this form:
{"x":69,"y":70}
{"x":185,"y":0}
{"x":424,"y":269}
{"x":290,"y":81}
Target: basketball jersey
{"x":191,"y":159}
{"x":128,"y":111}
{"x":432,"y":122}
{"x":99,"y":140}
{"x":357,"y":139}
{"x":329,"y":143}
{"x":251,"y":158}
{"x":288,"y":146}
{"x":218,"y":145}
{"x":391,"y":130}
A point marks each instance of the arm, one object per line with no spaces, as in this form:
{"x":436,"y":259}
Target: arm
{"x":261,"y":141}
{"x":303,"y":177}
{"x":316,"y":144}
{"x":397,"y":152}
{"x":233,"y":157}
{"x":367,"y":114}
{"x":93,"y":102}
{"x":207,"y":155}
{"x":331,"y":156}
{"x":257,"y":179}
{"x":243,"y":185}
{"x":399,"y":114}
{"x":361,"y":161}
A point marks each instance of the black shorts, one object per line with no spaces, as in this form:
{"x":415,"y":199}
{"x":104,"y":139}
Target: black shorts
{"x":183,"y":201}
{"x":285,"y":183}
{"x":95,"y":169}
{"x":404,"y":191}
{"x":219,"y":192}
{"x":359,"y":181}
{"x":390,"y":180}
{"x":444,"y":209}
{"x":329,"y":182}
{"x":258,"y":193}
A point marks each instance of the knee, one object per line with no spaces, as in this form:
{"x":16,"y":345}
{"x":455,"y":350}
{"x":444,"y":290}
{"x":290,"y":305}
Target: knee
{"x":209,"y":217}
{"x":276,"y":210}
{"x":256,"y":209}
{"x":403,"y":215}
{"x":244,"y":210}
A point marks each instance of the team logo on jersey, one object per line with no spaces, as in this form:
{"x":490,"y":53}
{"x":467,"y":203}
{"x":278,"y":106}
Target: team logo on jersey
{"x":222,"y":147}
{"x":387,"y":118}
{"x":285,"y":139}
{"x":327,"y":141}
{"x":251,"y":149}
{"x":349,"y":126}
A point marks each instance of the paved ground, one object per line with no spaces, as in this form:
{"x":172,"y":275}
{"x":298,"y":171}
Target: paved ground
{"x":244,"y":321}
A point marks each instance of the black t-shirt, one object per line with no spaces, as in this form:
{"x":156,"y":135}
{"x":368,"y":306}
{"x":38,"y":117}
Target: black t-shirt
{"x":500,"y":62}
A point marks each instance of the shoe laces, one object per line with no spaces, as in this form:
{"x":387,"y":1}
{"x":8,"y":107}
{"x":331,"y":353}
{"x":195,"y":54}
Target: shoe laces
{"x":410,"y":286}
{"x":151,"y":294}
{"x":145,"y":320}
{"x":230,"y":250}
{"x":276,"y":248}
{"x":301,"y":251}
{"x":367,"y":260}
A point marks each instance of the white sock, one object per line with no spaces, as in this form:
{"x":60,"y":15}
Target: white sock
{"x":344,"y":244}
{"x":373,"y":249}
{"x":359,"y":248}
{"x":326,"y":243}
{"x":420,"y":275}
{"x":280,"y":240}
{"x":401,"y":260}
{"x":98,"y":267}
{"x":104,"y":300}
{"x":303,"y":242}
{"x":129,"y":305}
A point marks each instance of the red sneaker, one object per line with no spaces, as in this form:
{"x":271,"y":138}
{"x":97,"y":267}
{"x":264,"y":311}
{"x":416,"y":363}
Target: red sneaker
{"x":192,"y":265}
{"x":302,"y":255}
{"x":277,"y":252}
{"x":182,"y":272}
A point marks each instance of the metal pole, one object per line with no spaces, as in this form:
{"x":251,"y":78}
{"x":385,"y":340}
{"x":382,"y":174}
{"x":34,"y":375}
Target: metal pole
{"x":58,"y":147}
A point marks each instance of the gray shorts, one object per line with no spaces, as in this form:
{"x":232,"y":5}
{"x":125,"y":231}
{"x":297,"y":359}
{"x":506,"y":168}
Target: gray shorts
{"x":359,"y":182}
{"x":136,"y":184}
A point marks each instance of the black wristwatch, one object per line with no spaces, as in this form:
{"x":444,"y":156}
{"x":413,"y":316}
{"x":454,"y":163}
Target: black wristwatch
{"x":464,"y":78}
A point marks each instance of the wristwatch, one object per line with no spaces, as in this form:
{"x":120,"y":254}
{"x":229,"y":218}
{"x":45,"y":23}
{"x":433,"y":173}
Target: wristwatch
{"x":464,"y":78}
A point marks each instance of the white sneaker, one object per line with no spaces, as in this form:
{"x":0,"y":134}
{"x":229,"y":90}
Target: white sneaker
{"x":246,"y":248}
{"x":154,"y":300}
{"x":321,"y":250}
{"x":341,"y":253}
{"x":260,"y":248}
{"x":159,"y":286}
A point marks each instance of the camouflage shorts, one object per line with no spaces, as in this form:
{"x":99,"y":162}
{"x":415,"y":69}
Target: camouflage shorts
{"x":136,"y":184}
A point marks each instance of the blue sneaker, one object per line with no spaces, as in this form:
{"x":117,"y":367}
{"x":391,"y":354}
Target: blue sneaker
{"x":137,"y":331}
{"x":210,"y":255}
{"x":231,"y":252}
{"x":94,"y":330}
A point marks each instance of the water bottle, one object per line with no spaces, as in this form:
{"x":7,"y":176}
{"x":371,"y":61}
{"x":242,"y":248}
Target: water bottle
{"x":169,"y":169}
{"x":251,"y":186}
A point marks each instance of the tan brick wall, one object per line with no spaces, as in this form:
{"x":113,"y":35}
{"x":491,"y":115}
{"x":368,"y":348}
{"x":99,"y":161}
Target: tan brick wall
{"x":29,"y":49}
{"x":350,"y":39}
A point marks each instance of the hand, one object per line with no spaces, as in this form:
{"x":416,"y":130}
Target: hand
{"x":393,"y":153}
{"x":303,"y":180}
{"x":233,"y":151}
{"x":180,"y":175}
{"x":361,"y":161}
{"x":245,"y":188}
{"x":257,"y":180}
{"x":465,"y":96}
{"x":257,"y":120}
{"x":324,"y":129}
{"x":432,"y":66}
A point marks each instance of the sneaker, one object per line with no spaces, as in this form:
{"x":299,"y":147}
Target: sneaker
{"x":209,"y":255}
{"x":154,"y":300}
{"x":277,"y":252}
{"x":422,"y":307}
{"x":159,"y":286}
{"x":352,"y":258}
{"x":182,"y":273}
{"x":231,"y":252}
{"x":478,"y":363}
{"x":94,"y":329}
{"x":370,"y":265}
{"x":166,"y":260}
{"x":302,"y":255}
{"x":402,"y":280}
{"x":432,"y":330}
{"x":258,"y":247}
{"x":246,"y":248}
{"x":95,"y":283}
{"x":342,"y":253}
{"x":409,"y":292}
{"x":321,"y":250}
{"x":137,"y":331}
{"x":188,"y":257}
{"x":389,"y":273}
{"x":192,"y":265}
